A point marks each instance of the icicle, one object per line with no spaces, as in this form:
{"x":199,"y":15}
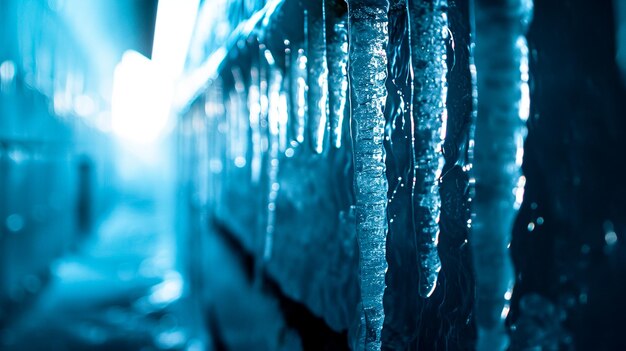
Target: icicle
{"x":214,"y":112}
{"x":282,"y":122}
{"x":317,"y":80}
{"x":299,"y":88}
{"x":502,"y":74}
{"x":337,"y":51}
{"x":429,"y":28}
{"x":264,"y":90}
{"x":368,"y":72}
{"x":239,"y":109}
{"x":285,"y":107}
{"x":274,"y":121}
{"x":254,"y":105}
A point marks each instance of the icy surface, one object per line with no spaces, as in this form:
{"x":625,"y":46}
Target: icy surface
{"x":280,"y":199}
{"x":368,"y":39}
{"x":502,"y":73}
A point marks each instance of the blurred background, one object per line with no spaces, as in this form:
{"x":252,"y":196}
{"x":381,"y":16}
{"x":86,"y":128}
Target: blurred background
{"x":103,"y":246}
{"x":88,"y":235}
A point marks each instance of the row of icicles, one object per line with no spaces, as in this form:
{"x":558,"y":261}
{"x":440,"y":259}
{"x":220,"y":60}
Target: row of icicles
{"x":274,"y":107}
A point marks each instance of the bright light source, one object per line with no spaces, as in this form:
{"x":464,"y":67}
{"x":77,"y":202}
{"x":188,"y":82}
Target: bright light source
{"x":174,"y":26}
{"x":142,"y":89}
{"x":141,"y":99}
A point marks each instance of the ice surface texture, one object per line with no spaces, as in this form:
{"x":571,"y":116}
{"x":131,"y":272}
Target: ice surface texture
{"x":368,"y":37}
{"x":429,"y":28}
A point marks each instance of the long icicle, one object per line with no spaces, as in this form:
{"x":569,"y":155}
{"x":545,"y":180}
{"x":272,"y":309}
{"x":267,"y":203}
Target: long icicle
{"x":317,"y":80}
{"x":502,"y":74}
{"x":337,"y":50}
{"x":368,"y":38}
{"x":429,"y":28}
{"x":274,"y":117}
{"x":298,"y":84}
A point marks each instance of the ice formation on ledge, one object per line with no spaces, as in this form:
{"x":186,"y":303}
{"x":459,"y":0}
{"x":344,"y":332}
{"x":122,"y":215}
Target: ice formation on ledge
{"x":320,"y":93}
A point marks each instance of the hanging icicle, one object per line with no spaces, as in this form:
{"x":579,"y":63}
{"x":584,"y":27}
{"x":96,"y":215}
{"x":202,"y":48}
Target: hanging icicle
{"x":502,"y":74}
{"x":298,"y":85}
{"x":368,"y":39}
{"x":317,"y":80}
{"x":254,"y":106}
{"x":337,"y":52}
{"x":429,"y":29}
{"x":276,"y":112}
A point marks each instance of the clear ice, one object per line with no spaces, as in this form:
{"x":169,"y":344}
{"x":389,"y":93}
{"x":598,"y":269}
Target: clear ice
{"x":368,"y":38}
{"x":298,"y":63}
{"x":337,"y":51}
{"x":317,"y":79}
{"x":429,"y":29}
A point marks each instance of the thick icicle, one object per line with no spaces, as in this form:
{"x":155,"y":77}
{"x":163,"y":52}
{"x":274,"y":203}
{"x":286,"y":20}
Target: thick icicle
{"x":318,"y":80}
{"x":368,"y":72}
{"x":337,"y":51}
{"x":502,"y":75}
{"x":429,"y":28}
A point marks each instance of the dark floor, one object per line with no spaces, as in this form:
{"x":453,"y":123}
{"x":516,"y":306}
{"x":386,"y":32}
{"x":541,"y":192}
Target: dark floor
{"x":120,"y":291}
{"x":123,"y":290}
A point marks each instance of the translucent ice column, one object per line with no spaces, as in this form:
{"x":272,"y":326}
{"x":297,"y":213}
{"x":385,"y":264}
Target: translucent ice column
{"x":318,"y":79}
{"x":337,"y":48}
{"x":368,"y":38}
{"x":501,"y":57}
{"x":429,"y":29}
